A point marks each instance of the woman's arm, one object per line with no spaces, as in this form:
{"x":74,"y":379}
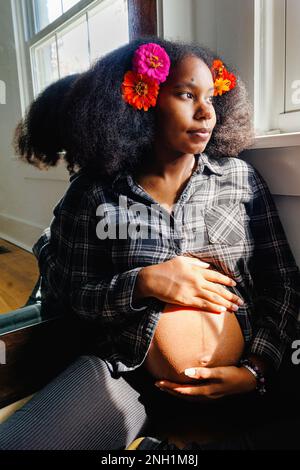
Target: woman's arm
{"x":76,"y":265}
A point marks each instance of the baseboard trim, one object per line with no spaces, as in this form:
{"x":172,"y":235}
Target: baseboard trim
{"x":20,"y":232}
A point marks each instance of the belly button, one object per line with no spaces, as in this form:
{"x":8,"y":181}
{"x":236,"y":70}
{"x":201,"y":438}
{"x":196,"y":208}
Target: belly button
{"x":203,"y":361}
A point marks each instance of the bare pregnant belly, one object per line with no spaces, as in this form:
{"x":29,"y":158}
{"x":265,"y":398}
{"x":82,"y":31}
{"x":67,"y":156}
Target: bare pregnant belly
{"x":185,"y":337}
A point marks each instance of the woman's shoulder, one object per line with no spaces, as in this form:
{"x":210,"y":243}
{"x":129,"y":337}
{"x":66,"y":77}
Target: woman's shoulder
{"x":227,"y":164}
{"x":88,"y":188}
{"x":236,"y":172}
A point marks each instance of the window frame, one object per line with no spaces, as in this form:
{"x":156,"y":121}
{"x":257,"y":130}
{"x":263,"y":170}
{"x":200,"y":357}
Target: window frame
{"x":271,"y":117}
{"x":142,"y":20}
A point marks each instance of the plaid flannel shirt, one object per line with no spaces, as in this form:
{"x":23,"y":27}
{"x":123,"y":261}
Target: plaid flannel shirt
{"x":224,"y":216}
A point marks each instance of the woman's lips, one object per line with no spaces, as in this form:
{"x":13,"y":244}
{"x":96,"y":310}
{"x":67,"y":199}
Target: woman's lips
{"x":200,"y":135}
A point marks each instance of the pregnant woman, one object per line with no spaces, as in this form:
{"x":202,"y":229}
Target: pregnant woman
{"x":175,"y":258}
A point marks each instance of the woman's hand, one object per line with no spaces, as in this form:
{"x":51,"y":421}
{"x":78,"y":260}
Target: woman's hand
{"x":187,"y":281}
{"x":212,"y":383}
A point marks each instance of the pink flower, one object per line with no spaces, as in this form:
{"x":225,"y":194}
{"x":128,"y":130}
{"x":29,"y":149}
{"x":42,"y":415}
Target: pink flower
{"x":152,"y":60}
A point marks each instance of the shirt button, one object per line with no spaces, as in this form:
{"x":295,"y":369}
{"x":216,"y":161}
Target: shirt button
{"x":177,"y":251}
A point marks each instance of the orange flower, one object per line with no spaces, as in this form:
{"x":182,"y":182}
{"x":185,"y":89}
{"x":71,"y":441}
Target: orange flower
{"x":221,"y":86}
{"x":139,"y":90}
{"x":231,"y":77}
{"x":223,"y":80}
{"x":217,"y":68}
{"x":217,"y":64}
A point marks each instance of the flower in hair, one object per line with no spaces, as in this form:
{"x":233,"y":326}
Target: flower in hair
{"x":152,"y":60}
{"x":223,"y":80}
{"x":139,"y":90}
{"x":151,"y":65}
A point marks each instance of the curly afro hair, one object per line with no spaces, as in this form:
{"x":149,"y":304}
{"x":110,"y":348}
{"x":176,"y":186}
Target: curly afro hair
{"x":105,"y":135}
{"x":39,"y":137}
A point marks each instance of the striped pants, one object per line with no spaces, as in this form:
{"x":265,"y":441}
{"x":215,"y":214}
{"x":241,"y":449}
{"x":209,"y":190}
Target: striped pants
{"x":82,"y":408}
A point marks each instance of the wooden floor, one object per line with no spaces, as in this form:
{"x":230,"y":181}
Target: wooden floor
{"x":18,"y":275}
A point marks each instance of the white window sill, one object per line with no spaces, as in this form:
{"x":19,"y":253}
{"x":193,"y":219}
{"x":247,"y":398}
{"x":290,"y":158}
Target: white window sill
{"x":276,"y":140}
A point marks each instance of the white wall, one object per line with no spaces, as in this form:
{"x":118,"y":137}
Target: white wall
{"x":225,"y":26}
{"x":27,"y":196}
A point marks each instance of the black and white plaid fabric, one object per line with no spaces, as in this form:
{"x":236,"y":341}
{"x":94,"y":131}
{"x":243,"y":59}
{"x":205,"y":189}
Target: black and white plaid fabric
{"x":103,"y":234}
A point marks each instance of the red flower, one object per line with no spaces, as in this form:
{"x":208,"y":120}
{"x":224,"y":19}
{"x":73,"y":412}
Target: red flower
{"x":139,"y":90}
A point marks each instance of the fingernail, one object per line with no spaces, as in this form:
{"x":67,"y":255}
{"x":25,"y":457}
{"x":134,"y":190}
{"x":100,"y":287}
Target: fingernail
{"x":223,"y":309}
{"x":240,"y":302}
{"x":233,"y":283}
{"x":235,"y":307}
{"x":190,"y":372}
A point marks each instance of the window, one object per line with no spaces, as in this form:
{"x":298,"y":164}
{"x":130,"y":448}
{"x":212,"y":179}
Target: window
{"x":277,"y":66}
{"x":55,"y":38}
{"x":80,"y":38}
{"x":290,"y":119}
{"x":46,"y":11}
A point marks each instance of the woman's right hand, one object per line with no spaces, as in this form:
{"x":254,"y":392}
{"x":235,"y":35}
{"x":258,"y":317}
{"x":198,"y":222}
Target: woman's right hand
{"x":188,"y":281}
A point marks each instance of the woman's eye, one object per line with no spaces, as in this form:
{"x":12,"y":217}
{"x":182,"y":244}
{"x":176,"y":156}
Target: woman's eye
{"x":188,"y":94}
{"x":211,"y":99}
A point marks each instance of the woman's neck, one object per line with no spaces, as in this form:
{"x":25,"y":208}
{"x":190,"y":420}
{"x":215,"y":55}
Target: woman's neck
{"x":165,"y":181}
{"x":167,"y":166}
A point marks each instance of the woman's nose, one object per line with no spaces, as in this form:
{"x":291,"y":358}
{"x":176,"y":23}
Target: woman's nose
{"x":203,"y":110}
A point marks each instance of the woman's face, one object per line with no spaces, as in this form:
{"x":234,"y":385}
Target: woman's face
{"x":184,"y":106}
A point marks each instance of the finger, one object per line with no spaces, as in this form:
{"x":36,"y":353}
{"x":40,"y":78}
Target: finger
{"x":178,"y":387}
{"x":199,"y":390}
{"x":216,"y":299}
{"x":205,"y":306}
{"x":168,"y":387}
{"x":185,"y":397}
{"x":167,"y":384}
{"x":214,"y":276}
{"x":204,"y":373}
{"x":211,"y":391}
{"x":196,"y":261}
{"x":216,"y":288}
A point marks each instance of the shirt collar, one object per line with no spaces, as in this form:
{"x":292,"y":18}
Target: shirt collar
{"x":74,"y":175}
{"x":211,"y":163}
{"x":203,"y":161}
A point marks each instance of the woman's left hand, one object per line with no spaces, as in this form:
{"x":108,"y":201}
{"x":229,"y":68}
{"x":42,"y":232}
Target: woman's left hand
{"x":212,"y":383}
